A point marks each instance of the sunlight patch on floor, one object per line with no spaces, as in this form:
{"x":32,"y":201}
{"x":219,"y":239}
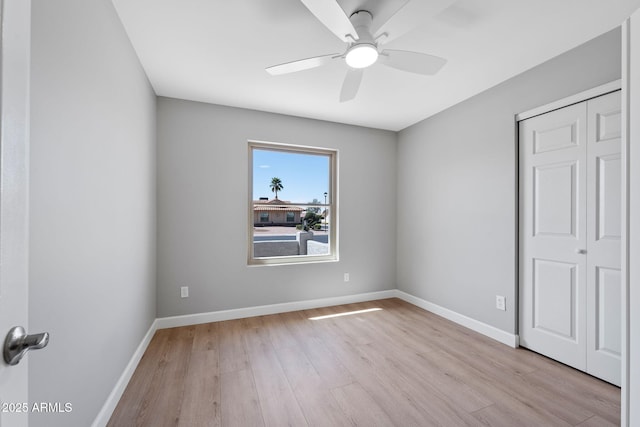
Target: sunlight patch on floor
{"x":346,"y":313}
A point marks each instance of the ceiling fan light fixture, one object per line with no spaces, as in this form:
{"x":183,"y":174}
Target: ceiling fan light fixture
{"x":361,"y":55}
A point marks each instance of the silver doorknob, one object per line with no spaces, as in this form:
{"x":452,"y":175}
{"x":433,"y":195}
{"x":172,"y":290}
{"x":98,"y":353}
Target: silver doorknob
{"x":18,"y":343}
{"x":581,"y":251}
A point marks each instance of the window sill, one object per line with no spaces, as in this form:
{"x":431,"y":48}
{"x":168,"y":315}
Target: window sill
{"x":297,"y":260}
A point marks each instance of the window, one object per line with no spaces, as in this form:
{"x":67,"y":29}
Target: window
{"x":292,"y":204}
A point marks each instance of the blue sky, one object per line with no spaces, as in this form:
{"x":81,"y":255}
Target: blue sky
{"x":304,"y":176}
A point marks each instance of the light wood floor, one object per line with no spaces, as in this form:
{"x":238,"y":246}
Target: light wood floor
{"x":399,"y":365}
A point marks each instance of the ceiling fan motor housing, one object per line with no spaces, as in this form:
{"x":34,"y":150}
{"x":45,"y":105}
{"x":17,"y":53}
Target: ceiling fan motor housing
{"x":361,"y":21}
{"x":363,"y":52}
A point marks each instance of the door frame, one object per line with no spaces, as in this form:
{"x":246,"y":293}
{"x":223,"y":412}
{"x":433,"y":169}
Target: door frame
{"x":631,"y":224}
{"x":14,"y":193}
{"x":620,"y":84}
{"x":570,"y":100}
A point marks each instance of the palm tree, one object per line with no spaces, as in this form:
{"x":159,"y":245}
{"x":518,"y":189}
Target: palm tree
{"x":276,"y":185}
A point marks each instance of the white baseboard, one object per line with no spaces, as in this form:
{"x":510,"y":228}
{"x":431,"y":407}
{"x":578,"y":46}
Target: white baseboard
{"x":114,"y":397}
{"x":216,"y":316}
{"x":492,"y":332}
{"x":261,"y":310}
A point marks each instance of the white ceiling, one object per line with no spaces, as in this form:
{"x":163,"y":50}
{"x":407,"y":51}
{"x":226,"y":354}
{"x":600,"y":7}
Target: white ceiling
{"x":215,"y":51}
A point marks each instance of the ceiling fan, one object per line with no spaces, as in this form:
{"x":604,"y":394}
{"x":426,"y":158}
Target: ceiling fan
{"x":365,"y":42}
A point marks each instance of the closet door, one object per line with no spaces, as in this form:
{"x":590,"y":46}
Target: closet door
{"x":553,"y":234}
{"x":604,"y":292}
{"x":570,"y":213}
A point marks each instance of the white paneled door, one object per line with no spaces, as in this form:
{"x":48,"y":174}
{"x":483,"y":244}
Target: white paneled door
{"x":15,"y":24}
{"x":570,"y":213}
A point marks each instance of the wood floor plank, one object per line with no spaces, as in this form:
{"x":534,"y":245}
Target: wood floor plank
{"x":328,"y":366}
{"x":201,"y":401}
{"x":596,"y":421}
{"x":402,"y":335}
{"x":160,"y":405}
{"x":239,"y":405}
{"x":578,"y":389}
{"x":135,"y":400}
{"x":414,"y":366}
{"x":525,"y":382}
{"x":423,"y":394}
{"x":402,"y":409}
{"x":206,"y":337}
{"x":166,"y":410}
{"x":360,"y":407}
{"x":499,"y":388}
{"x":506,"y":415}
{"x":312,"y":393}
{"x":356,"y":327}
{"x":398,"y":366}
{"x":279,"y":334}
{"x":326,"y":363}
{"x":523,"y":387}
{"x":277,"y":401}
{"x":233,"y":355}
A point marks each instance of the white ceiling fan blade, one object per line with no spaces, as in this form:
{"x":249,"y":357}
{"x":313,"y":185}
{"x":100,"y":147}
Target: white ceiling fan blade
{"x":333,"y":17}
{"x":409,"y":16}
{"x":351,"y":84}
{"x":413,"y":62}
{"x":302,"y":64}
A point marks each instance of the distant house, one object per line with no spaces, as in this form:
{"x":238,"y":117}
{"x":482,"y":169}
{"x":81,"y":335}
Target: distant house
{"x":275,"y":212}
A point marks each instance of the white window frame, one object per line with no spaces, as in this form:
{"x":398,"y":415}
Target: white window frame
{"x":331,"y":205}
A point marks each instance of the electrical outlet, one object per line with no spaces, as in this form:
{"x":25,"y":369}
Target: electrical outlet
{"x":184,"y":292}
{"x":346,"y":277}
{"x":501,"y":303}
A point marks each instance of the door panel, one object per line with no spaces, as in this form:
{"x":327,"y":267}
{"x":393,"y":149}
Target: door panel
{"x":608,"y":123}
{"x":608,"y":294}
{"x":553,"y":226}
{"x":554,"y":293}
{"x":557,"y":136}
{"x":554,"y":199}
{"x":608,"y":197}
{"x":604,"y":187}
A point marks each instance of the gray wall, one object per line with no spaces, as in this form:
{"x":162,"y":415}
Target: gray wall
{"x":202,"y":209}
{"x":457,"y":186}
{"x":92,"y":225}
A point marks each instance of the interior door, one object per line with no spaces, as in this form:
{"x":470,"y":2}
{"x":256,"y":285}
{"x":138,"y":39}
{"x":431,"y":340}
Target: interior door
{"x":553,"y":234}
{"x":570,"y":235}
{"x":604,"y":203}
{"x":15,"y":20}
